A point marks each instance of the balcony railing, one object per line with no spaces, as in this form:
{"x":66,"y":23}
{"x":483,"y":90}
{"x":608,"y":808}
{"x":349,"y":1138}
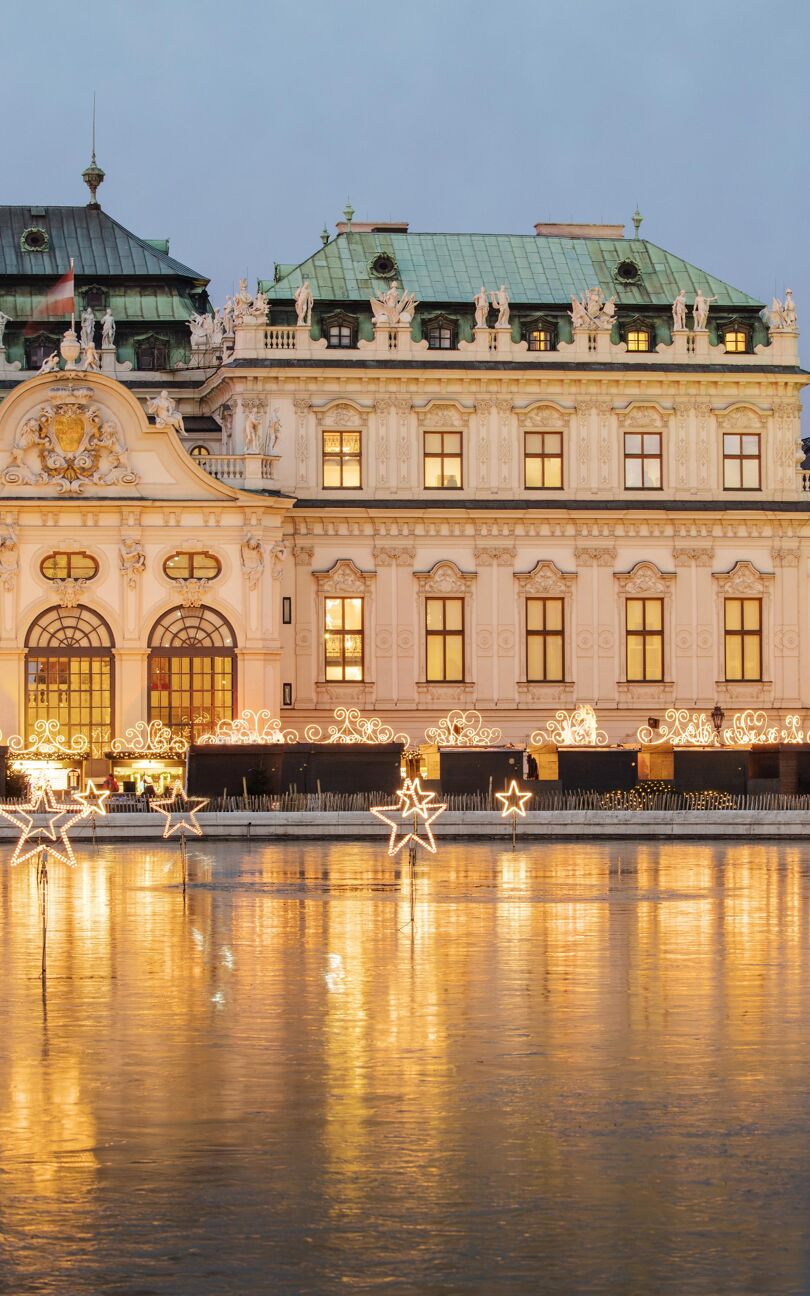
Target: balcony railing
{"x":247,"y":472}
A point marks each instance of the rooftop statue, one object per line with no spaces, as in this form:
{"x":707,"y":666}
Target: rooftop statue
{"x":782,"y":315}
{"x":700,"y":310}
{"x":481,"y":300}
{"x":4,"y":320}
{"x":88,"y":326}
{"x":50,"y":363}
{"x":227,"y":316}
{"x":242,"y":303}
{"x":166,"y":412}
{"x":593,"y":312}
{"x":258,"y":308}
{"x":108,"y":329}
{"x":390,"y":308}
{"x":201,"y":326}
{"x":679,"y":310}
{"x":91,"y":358}
{"x":500,"y":300}
{"x":303,"y":304}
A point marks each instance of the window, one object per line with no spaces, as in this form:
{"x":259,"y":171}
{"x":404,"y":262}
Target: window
{"x":735,"y":340}
{"x":68,"y":674}
{"x":627,"y":272}
{"x":642,"y":460}
{"x":340,"y":330}
{"x":199,"y":452}
{"x":540,"y":339}
{"x":34,"y":239}
{"x":64,"y":565}
{"x":442,"y":460}
{"x":286,"y":610}
{"x":343,"y":638}
{"x":543,"y":464}
{"x":645,"y":638}
{"x":639,"y":339}
{"x":191,"y":670}
{"x":95,"y":297}
{"x":743,"y":638}
{"x":741,"y":461}
{"x":383,"y":266}
{"x":544,"y":639}
{"x":444,"y":635}
{"x":441,"y":334}
{"x":192,"y":565}
{"x":152,"y":353}
{"x":341,"y":460}
{"x":37,"y":350}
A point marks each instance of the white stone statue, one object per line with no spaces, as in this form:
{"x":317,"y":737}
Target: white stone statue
{"x":276,"y":556}
{"x":303,"y":304}
{"x":50,"y":363}
{"x":679,"y":310}
{"x":789,"y":310}
{"x":783,"y":314}
{"x":166,"y":412}
{"x":131,"y":559}
{"x":88,"y":326}
{"x":500,"y":300}
{"x":242,"y":303}
{"x":579,"y":315}
{"x":273,"y":431}
{"x":253,"y":427}
{"x":227,"y":316}
{"x":481,"y":301}
{"x":217,"y":329}
{"x":9,"y":559}
{"x":90,"y":359}
{"x":252,"y":560}
{"x":200,"y":326}
{"x":4,"y":320}
{"x":390,"y":308}
{"x":593,"y":302}
{"x":593,"y":312}
{"x":108,"y":329}
{"x":700,"y":310}
{"x":258,"y":308}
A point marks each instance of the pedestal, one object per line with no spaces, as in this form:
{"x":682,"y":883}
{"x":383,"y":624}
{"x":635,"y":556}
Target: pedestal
{"x":108,"y":360}
{"x":5,"y":365}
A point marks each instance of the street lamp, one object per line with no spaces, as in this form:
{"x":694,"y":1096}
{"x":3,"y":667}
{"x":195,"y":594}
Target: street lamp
{"x":718,"y":716}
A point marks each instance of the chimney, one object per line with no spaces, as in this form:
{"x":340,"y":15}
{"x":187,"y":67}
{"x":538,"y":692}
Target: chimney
{"x":551,"y":230}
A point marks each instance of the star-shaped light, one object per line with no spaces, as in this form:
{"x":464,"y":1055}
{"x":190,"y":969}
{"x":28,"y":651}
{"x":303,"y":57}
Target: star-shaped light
{"x":180,"y":810}
{"x":60,"y":816}
{"x":413,"y":802}
{"x":93,"y":798}
{"x":513,"y":800}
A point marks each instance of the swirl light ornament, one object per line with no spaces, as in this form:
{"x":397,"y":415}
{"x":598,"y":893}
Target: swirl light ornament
{"x":249,"y":727}
{"x":681,"y":728}
{"x":150,"y":739}
{"x":577,"y":728}
{"x":351,"y":727}
{"x":751,"y":726}
{"x":463,"y":729}
{"x":48,"y":741}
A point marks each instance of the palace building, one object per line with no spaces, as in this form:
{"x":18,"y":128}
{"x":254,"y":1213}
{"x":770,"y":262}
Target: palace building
{"x":416,"y":472}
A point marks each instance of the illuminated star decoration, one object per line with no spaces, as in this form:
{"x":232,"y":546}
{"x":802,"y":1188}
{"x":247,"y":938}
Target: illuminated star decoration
{"x":513,"y":800}
{"x":180,"y":810}
{"x":413,"y":802}
{"x":60,"y":816}
{"x":93,"y":798}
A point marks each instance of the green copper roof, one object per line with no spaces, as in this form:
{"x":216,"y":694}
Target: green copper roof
{"x":136,"y":302}
{"x":100,"y":247}
{"x":537,"y":270}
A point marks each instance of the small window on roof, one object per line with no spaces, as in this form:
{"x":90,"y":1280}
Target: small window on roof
{"x":34,"y":239}
{"x":95,"y":297}
{"x":627,"y":271}
{"x":735,"y":340}
{"x":383,"y":266}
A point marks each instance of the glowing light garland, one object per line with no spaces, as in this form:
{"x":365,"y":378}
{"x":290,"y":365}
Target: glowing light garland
{"x":93,"y":799}
{"x":51,"y":836}
{"x":152,"y":739}
{"x":180,"y":811}
{"x":463,"y":729}
{"x":413,"y":803}
{"x":752,"y":727}
{"x":47,"y":742}
{"x":351,"y":727}
{"x":577,"y":728}
{"x":682,"y":728}
{"x":249,"y":727}
{"x":513,"y":800}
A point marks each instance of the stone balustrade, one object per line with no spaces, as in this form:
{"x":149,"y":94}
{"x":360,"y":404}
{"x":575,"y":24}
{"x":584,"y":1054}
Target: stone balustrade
{"x":247,"y":472}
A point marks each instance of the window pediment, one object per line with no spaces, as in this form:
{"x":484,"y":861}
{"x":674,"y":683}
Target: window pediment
{"x":445,"y":578}
{"x":344,"y":577}
{"x":743,"y":579}
{"x":442,"y":415}
{"x":649,"y":417}
{"x":543,"y":416}
{"x":341,"y":414}
{"x":545,"y":579}
{"x":645,"y":579}
{"x":740,"y":417}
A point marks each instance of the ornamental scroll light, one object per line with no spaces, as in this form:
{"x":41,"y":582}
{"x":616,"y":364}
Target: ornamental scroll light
{"x":577,"y":728}
{"x":47,"y":742}
{"x":351,"y":727}
{"x":256,"y":727}
{"x":681,"y":728}
{"x":152,"y":740}
{"x":463,"y":729}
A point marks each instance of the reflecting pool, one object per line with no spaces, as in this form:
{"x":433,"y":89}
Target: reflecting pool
{"x":582,"y":1069}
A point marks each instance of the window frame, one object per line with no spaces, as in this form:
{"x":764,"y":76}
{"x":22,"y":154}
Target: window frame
{"x":343,"y":457}
{"x":645,"y":634}
{"x":444,"y":634}
{"x":442,"y":456}
{"x":343,"y":323}
{"x":642,"y":457}
{"x":42,"y":345}
{"x":740,"y":459}
{"x":739,"y":331}
{"x":99,"y":672}
{"x":191,"y":574}
{"x":636,"y":331}
{"x":70,"y":574}
{"x":154,"y":341}
{"x":444,"y":324}
{"x":742,"y":634}
{"x":543,"y":456}
{"x":543,"y":635}
{"x":343,"y":634}
{"x":196,"y":655}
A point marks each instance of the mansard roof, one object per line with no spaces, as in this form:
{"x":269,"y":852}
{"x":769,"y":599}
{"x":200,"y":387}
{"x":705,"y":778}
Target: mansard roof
{"x":536,"y":269}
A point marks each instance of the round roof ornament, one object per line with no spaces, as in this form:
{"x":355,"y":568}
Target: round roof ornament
{"x":383,"y":266}
{"x":34,"y":239}
{"x":627,"y":272}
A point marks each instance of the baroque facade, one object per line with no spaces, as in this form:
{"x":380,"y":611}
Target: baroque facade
{"x":511,"y":473}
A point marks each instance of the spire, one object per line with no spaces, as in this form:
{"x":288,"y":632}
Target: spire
{"x":637,"y":219}
{"x":348,"y":213}
{"x":93,"y":175}
{"x":324,"y":235}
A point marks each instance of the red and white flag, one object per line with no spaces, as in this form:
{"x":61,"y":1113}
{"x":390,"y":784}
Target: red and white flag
{"x":57,"y":302}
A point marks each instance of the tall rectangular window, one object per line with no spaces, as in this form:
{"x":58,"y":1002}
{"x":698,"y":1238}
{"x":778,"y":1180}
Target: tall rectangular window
{"x":642,"y":460}
{"x":343,"y":638}
{"x":741,"y":461}
{"x":341,"y":460}
{"x":743,"y":638}
{"x":544,"y":639}
{"x":543,"y":460}
{"x":444,"y":631}
{"x":645,"y":638}
{"x":443,"y":461}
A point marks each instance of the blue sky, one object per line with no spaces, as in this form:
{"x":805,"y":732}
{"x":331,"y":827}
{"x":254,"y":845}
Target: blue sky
{"x":237,"y":128}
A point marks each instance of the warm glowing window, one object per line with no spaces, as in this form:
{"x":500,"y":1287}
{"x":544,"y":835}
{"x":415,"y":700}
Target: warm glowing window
{"x":544,"y":639}
{"x":443,"y":460}
{"x":639,"y":339}
{"x":642,"y":460}
{"x":199,"y":452}
{"x":743,"y":638}
{"x":741,"y":461}
{"x":341,"y":460}
{"x":192,"y":564}
{"x":66,"y":564}
{"x":68,"y":675}
{"x":540,"y":339}
{"x":444,"y":629}
{"x":645,"y":638}
{"x":735,"y":340}
{"x":192,"y":669}
{"x":343,"y":638}
{"x":543,"y":460}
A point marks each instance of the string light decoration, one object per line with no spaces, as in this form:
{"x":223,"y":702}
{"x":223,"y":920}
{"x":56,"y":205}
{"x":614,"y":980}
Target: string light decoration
{"x":577,"y":728}
{"x":513,"y":803}
{"x":351,"y":727}
{"x":47,"y":742}
{"x":412,"y":804}
{"x":749,"y":727}
{"x":249,"y":727}
{"x":180,"y":811}
{"x":682,"y":728}
{"x":463,"y":729}
{"x":150,"y":739}
{"x":60,"y":816}
{"x":93,"y":799}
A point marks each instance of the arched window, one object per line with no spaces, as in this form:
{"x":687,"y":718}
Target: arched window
{"x":69,"y":674}
{"x":152,"y":352}
{"x":192,"y":670}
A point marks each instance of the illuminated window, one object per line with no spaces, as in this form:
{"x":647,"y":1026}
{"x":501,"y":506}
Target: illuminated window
{"x":343,"y":638}
{"x":68,"y":674}
{"x":440,"y":334}
{"x":443,"y":464}
{"x":642,"y":460}
{"x":444,"y":631}
{"x":192,"y":564}
{"x":743,"y":638}
{"x":735,"y":340}
{"x":540,"y":339}
{"x":543,"y":462}
{"x":741,"y":461}
{"x":639,"y":339}
{"x":544,"y":639}
{"x":65,"y":564}
{"x":199,"y":451}
{"x":645,"y":638}
{"x":192,"y":669}
{"x":341,"y":460}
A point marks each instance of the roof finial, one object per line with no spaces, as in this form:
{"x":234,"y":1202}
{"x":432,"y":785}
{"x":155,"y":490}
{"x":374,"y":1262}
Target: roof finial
{"x":93,"y":174}
{"x":324,"y":235}
{"x":637,"y":219}
{"x":348,"y":212}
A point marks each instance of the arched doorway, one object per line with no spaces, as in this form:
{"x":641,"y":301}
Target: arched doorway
{"x":192,"y":670}
{"x":69,"y":674}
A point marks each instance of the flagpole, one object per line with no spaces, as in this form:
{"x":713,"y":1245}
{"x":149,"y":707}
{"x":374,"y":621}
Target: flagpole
{"x":72,"y":299}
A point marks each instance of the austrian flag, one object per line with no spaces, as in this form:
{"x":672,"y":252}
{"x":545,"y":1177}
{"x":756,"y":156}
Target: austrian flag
{"x":57,"y":302}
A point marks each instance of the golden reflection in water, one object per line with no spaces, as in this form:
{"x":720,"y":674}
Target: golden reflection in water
{"x":595,"y":1029}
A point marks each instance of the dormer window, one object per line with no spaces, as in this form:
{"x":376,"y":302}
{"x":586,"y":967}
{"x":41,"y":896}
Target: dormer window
{"x":735,"y":340}
{"x":95,"y":297}
{"x":37,"y":350}
{"x":340,"y":331}
{"x":152,"y":353}
{"x":639,"y":339}
{"x":441,"y":334}
{"x":34,"y":239}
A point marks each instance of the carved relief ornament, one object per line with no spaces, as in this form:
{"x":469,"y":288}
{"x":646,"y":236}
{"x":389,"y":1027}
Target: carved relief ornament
{"x":445,"y":578}
{"x":545,"y":580}
{"x":644,"y":580}
{"x":647,"y":417}
{"x":68,"y":444}
{"x":743,"y":580}
{"x":344,"y":577}
{"x":740,"y":418}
